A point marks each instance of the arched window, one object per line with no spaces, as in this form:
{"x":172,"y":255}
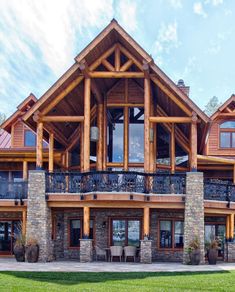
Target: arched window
{"x":227,"y":134}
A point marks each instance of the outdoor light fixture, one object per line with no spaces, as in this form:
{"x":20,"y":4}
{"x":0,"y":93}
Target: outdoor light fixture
{"x":94,"y":134}
{"x":151,"y":135}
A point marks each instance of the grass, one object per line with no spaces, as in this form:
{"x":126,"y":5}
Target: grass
{"x":57,"y":281}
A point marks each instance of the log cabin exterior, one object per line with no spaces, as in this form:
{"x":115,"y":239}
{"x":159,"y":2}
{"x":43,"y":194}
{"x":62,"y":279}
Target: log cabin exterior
{"x":115,"y":153}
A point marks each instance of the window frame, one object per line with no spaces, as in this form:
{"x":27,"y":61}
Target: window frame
{"x":81,"y":231}
{"x":126,"y":219}
{"x":226,"y":130}
{"x":173,"y":220}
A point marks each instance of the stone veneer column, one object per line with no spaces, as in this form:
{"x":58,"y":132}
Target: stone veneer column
{"x":194,"y":213}
{"x":230,"y":252}
{"x":146,"y":251}
{"x":39,"y":223}
{"x":86,"y":250}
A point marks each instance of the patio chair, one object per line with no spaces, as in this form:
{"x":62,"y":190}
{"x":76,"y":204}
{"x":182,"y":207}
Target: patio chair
{"x":130,"y":251}
{"x":99,"y":252}
{"x":116,"y":251}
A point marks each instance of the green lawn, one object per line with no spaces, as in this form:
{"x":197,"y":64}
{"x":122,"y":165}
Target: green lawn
{"x":56,"y":281}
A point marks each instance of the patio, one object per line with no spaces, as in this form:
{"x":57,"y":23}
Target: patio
{"x":9,"y":264}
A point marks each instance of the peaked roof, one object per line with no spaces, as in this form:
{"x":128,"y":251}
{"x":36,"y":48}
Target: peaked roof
{"x":23,"y":107}
{"x":223,"y":107}
{"x":103,"y":41}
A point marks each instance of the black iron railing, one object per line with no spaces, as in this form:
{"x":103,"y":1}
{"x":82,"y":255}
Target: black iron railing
{"x":219,"y":190}
{"x":13,"y":190}
{"x":115,"y":181}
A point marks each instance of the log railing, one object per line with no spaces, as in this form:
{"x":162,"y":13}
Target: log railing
{"x":219,"y":190}
{"x":115,"y":181}
{"x":13,"y":190}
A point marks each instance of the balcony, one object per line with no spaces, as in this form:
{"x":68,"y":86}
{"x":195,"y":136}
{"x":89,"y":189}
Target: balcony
{"x":115,"y":182}
{"x":219,"y":190}
{"x":13,"y":190}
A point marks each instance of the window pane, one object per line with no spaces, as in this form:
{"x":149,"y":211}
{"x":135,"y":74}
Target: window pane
{"x":136,"y":135}
{"x":225,"y":140}
{"x":29,"y":139}
{"x":134,"y":232}
{"x":5,"y":236}
{"x":228,"y":125}
{"x":209,"y":233}
{"x":233,"y":140}
{"x":165,"y":234}
{"x":115,"y":135}
{"x":75,"y":232}
{"x":119,"y":235}
{"x":179,"y":234}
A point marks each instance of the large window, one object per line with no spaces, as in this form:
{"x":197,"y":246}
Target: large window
{"x":29,"y":138}
{"x":125,"y":232}
{"x":75,"y":232}
{"x":171,"y":234}
{"x":8,"y":229}
{"x":216,"y":231}
{"x":227,"y":134}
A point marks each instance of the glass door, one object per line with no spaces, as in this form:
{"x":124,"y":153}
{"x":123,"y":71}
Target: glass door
{"x":7,"y":231}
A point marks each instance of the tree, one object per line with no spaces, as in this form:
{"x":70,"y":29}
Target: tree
{"x":212,"y":105}
{"x":2,"y":118}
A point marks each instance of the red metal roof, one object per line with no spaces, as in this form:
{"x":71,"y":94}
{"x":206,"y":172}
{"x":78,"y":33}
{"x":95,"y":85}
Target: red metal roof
{"x":5,"y":139}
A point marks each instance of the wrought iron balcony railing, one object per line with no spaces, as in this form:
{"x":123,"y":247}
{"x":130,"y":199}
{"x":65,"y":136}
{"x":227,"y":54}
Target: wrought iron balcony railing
{"x":219,"y":190}
{"x":115,"y":181}
{"x":13,"y":190}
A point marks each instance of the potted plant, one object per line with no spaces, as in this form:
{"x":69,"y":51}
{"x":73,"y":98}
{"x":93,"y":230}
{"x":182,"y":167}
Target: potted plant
{"x":194,"y":251}
{"x":212,"y":251}
{"x":32,"y":250}
{"x":19,"y":244}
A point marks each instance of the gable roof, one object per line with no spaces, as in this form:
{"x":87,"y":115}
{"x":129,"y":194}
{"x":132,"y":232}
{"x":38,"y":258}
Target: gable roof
{"x":113,"y":32}
{"x":223,"y":107}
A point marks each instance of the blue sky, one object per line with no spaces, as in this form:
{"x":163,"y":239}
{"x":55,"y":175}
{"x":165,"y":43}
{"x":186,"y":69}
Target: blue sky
{"x":193,"y":40}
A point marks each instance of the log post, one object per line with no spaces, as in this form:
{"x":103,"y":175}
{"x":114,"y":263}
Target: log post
{"x":193,"y":156}
{"x":105,"y":134}
{"x":39,"y":154}
{"x":146,"y":221}
{"x":86,"y":222}
{"x":172,"y":153}
{"x":227,"y":227}
{"x":99,"y":149}
{"x":147,"y":98}
{"x":81,"y":147}
{"x":51,"y":152}
{"x":231,"y":235}
{"x":24,"y":221}
{"x":25,"y":170}
{"x":87,"y":114}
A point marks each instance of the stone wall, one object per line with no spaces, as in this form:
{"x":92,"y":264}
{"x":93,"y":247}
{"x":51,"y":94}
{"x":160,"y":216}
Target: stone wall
{"x":230,"y":252}
{"x":39,"y":225}
{"x":194,"y":213}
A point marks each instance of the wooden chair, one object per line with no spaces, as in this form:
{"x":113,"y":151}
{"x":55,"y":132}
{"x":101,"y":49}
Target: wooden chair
{"x":99,"y":252}
{"x":130,"y":251}
{"x":116,"y":251}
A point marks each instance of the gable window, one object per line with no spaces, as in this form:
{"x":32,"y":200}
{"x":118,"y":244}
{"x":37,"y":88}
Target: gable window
{"x":29,"y":138}
{"x":227,"y":134}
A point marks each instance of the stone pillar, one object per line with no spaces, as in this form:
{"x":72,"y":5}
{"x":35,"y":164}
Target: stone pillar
{"x":194,"y":213}
{"x":230,"y":257}
{"x":146,"y":251}
{"x":39,"y":223}
{"x":86,"y":250}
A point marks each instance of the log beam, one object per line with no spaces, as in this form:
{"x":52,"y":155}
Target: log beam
{"x":99,"y":149}
{"x":147,"y":101}
{"x":172,"y":152}
{"x":24,"y":222}
{"x":193,"y":150}
{"x":39,"y":150}
{"x":146,"y":221}
{"x":178,"y":120}
{"x":117,"y":58}
{"x":51,"y":153}
{"x":231,"y":223}
{"x":61,"y":119}
{"x":227,"y":227}
{"x":104,"y":74}
{"x":86,"y":222}
{"x":25,"y":170}
{"x":87,"y":114}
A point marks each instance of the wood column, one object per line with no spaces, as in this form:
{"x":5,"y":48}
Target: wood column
{"x":146,"y":221}
{"x":87,"y":126}
{"x":147,"y":99}
{"x":193,"y":156}
{"x":227,"y":227}
{"x":81,"y":146}
{"x":105,"y":134}
{"x":39,"y":153}
{"x":51,"y":152}
{"x":25,"y":170}
{"x":99,"y":147}
{"x":126,"y":128}
{"x":172,"y":150}
{"x":234,"y":174}
{"x":24,"y":222}
{"x":231,"y":222}
{"x":86,"y":221}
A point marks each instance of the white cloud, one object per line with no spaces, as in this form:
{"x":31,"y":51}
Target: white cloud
{"x":176,"y":3}
{"x":127,"y":14}
{"x":198,"y":9}
{"x":214,"y":2}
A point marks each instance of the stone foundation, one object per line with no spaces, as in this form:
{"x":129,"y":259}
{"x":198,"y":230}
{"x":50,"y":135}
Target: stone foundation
{"x":230,"y":251}
{"x":146,"y":251}
{"x":194,"y":213}
{"x":39,"y":225}
{"x":86,"y":250}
